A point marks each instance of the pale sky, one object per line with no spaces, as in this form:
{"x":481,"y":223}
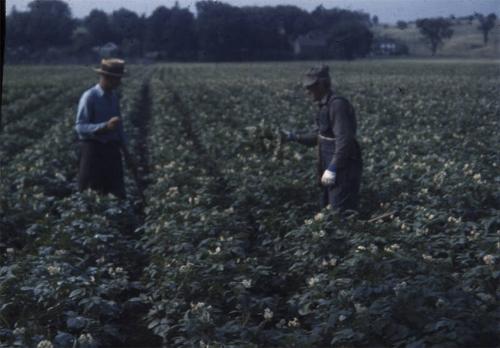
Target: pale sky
{"x":388,"y":11}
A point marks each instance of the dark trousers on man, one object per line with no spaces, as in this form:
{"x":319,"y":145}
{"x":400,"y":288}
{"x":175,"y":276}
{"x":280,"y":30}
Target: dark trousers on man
{"x":344,"y":195}
{"x":101,"y":168}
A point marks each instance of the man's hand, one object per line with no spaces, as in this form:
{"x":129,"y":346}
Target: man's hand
{"x":113,"y":123}
{"x":329,"y":176}
{"x":287,"y":136}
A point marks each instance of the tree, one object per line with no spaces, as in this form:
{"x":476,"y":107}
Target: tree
{"x":128,"y":31}
{"x":402,"y":25}
{"x":81,"y":40}
{"x":349,"y":40}
{"x":181,"y":34}
{"x":267,"y":33}
{"x":172,"y":32}
{"x":294,"y":21}
{"x":327,"y":18}
{"x":221,"y":31}
{"x":348,"y":32}
{"x":486,"y":24}
{"x":16,"y":25}
{"x":375,"y":20}
{"x":435,"y":30}
{"x":156,"y":36}
{"x":50,"y":24}
{"x":98,"y":26}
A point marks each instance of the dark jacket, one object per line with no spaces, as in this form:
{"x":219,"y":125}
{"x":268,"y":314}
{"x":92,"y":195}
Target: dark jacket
{"x":335,"y":119}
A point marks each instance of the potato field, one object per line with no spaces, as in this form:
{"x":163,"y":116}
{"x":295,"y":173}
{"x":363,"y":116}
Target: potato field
{"x":228,"y":247}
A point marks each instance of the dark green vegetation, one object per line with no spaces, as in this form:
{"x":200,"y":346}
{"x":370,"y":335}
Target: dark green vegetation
{"x":48,"y":32}
{"x":229,"y":248}
{"x":435,"y":31}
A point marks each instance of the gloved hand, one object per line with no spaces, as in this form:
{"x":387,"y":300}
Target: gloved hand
{"x":287,"y":136}
{"x":329,"y":176}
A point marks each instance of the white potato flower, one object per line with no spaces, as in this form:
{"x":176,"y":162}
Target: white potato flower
{"x":216,"y":251}
{"x":319,"y":217}
{"x":247,"y":283}
{"x":19,"y":331}
{"x":312,"y":281}
{"x":53,"y":270}
{"x":44,"y":344}
{"x":294,"y":323}
{"x":86,"y":339}
{"x":197,"y":306}
{"x":360,"y":308}
{"x":489,"y":259}
{"x":400,"y":286}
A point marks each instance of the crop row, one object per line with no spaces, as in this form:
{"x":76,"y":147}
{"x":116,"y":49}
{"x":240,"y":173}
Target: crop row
{"x":68,"y":258}
{"x":26,"y":87}
{"x":34,"y":121}
{"x":239,"y":255}
{"x":228,"y":247}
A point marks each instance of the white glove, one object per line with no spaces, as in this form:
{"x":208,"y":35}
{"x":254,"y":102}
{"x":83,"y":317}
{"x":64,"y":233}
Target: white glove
{"x":328,"y":178}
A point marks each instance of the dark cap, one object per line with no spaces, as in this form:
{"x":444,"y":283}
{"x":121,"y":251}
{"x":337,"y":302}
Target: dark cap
{"x":112,"y":67}
{"x":316,"y":74}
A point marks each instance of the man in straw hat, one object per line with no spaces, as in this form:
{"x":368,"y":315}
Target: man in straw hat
{"x":100,"y":130}
{"x":339,"y":163}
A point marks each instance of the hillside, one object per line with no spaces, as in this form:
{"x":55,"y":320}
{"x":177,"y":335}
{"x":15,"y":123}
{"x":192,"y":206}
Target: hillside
{"x":466,"y":42}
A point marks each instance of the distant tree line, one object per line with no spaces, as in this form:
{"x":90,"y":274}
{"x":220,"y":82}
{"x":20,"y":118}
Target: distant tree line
{"x":436,"y":30}
{"x":219,"y":32}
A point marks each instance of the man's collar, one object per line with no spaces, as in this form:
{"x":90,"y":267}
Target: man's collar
{"x":99,"y":90}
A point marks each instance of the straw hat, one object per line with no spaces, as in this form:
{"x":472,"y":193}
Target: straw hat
{"x":112,"y":67}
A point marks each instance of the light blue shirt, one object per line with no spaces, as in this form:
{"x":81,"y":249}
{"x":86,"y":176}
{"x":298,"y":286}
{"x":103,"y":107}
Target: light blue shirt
{"x":95,"y":109}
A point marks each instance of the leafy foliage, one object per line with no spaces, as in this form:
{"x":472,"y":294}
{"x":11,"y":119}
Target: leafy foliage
{"x":229,"y":248}
{"x":486,"y":23}
{"x":435,"y":30}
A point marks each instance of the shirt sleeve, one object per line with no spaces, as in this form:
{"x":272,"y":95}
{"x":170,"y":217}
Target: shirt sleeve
{"x":341,"y":116}
{"x":84,"y":127}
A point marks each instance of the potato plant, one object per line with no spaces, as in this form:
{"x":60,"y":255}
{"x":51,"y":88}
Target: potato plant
{"x":240,"y":254}
{"x":227,"y":247}
{"x":67,"y":275}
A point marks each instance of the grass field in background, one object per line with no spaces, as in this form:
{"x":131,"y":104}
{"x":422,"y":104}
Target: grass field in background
{"x":466,"y":42}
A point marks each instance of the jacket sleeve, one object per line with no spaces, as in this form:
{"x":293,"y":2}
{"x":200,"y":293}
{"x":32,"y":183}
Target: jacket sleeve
{"x":342,"y":118}
{"x":309,"y":137}
{"x":84,"y":127}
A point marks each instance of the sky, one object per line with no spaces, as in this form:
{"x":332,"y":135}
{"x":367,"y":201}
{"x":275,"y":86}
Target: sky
{"x":388,"y":11}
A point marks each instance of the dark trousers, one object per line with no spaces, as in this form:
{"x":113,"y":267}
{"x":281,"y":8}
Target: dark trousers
{"x":344,"y":195}
{"x":101,"y":168}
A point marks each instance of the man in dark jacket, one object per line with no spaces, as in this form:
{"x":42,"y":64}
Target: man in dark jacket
{"x":339,"y":162}
{"x":100,"y":130}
